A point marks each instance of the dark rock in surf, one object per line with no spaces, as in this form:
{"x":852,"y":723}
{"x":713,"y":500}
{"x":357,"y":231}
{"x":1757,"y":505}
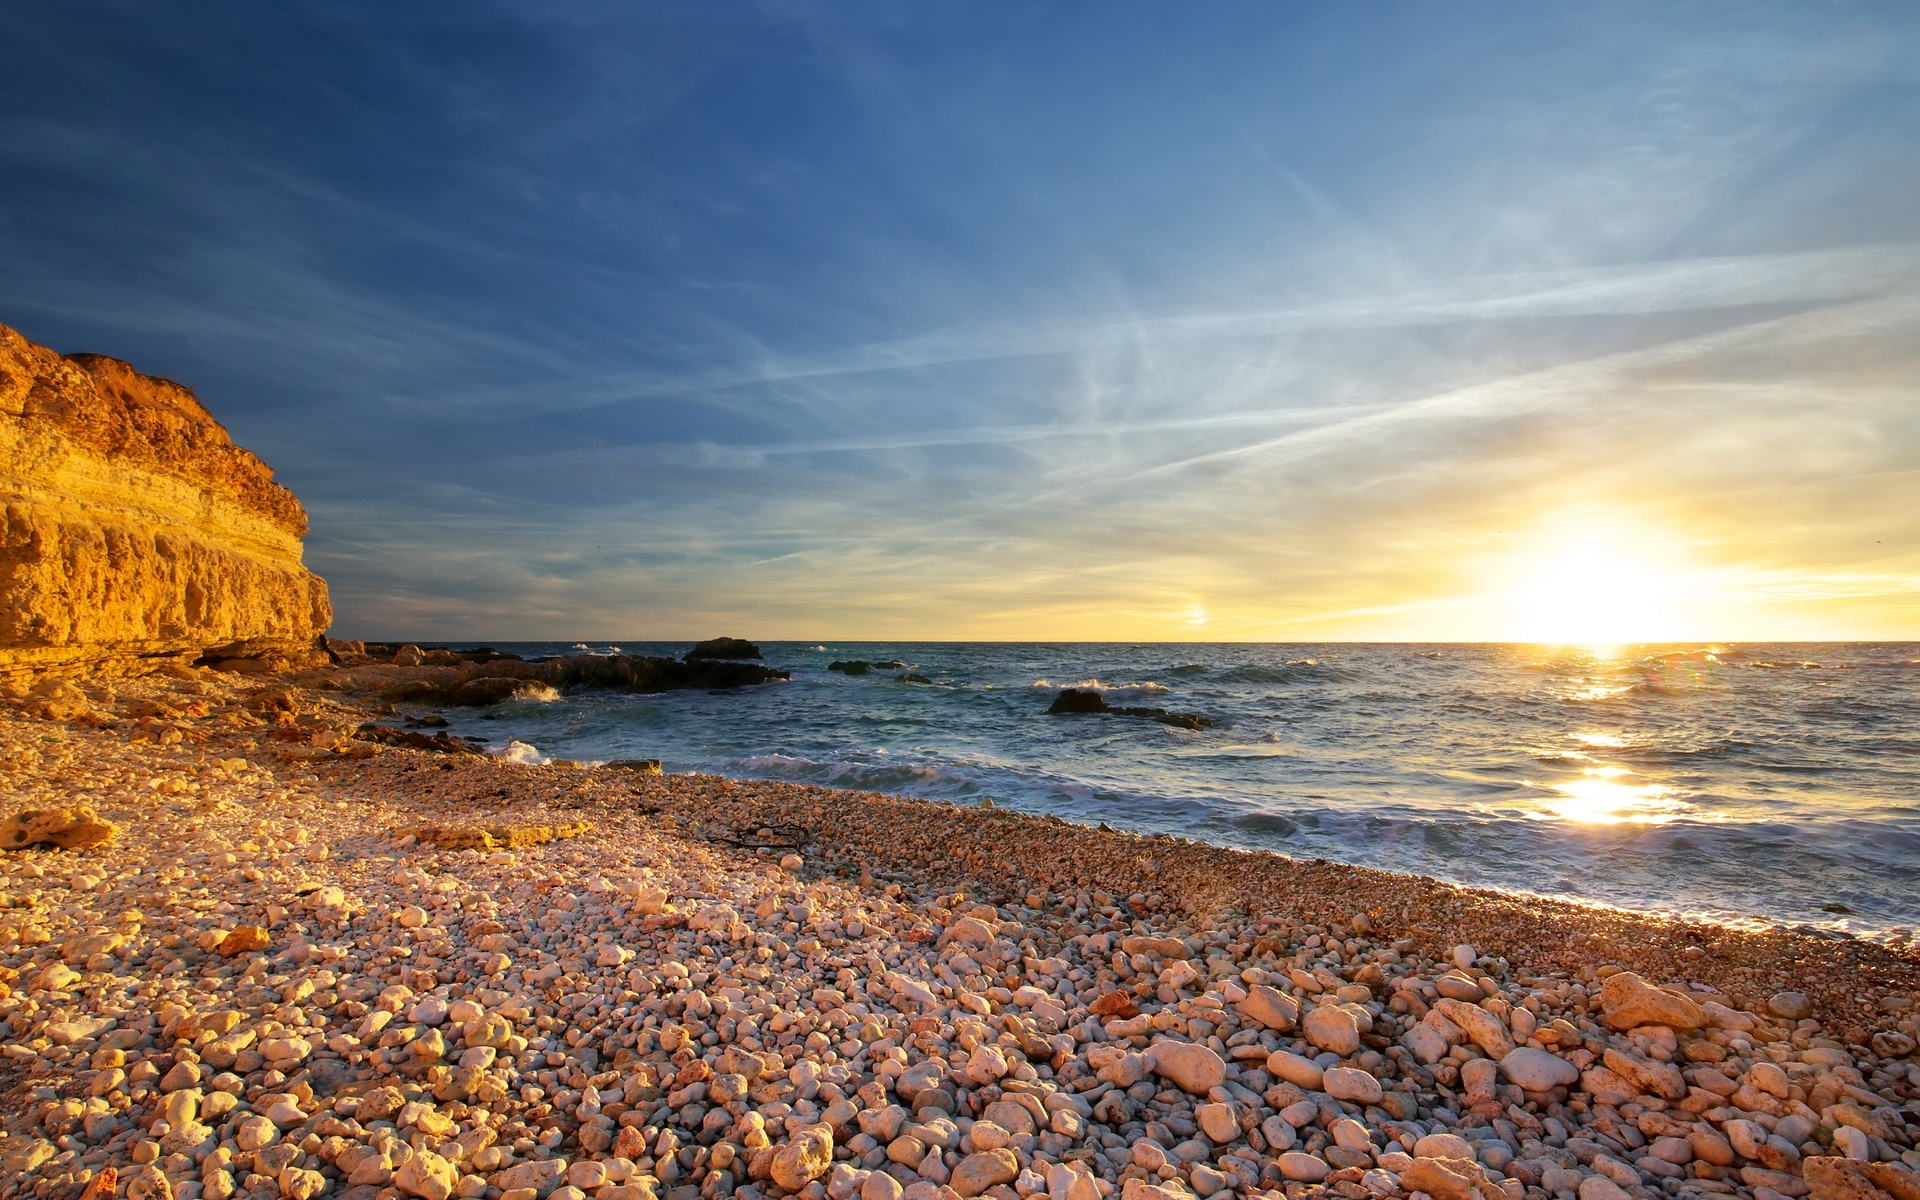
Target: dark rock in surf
{"x":432,"y":656}
{"x":386,"y":735}
{"x":724,"y":648}
{"x":490,"y":683}
{"x":860,"y":666}
{"x":1073,"y":701}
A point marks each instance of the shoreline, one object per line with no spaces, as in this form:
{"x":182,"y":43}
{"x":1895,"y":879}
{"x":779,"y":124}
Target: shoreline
{"x":907,"y":932}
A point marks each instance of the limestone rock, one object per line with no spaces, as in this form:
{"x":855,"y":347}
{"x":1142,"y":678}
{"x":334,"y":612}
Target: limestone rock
{"x":133,"y":530}
{"x":1538,"y":1070}
{"x":1332,"y":1029}
{"x":1270,"y":1008}
{"x":1165,"y":947}
{"x":804,"y":1159}
{"x":1486,"y":1030}
{"x":1441,"y":1178}
{"x":1301,"y":1167}
{"x":1300,"y":1072}
{"x":426,"y":1175}
{"x":1662,"y":1079}
{"x":247,"y":939}
{"x":1629,"y":1001}
{"x":1839,"y":1179}
{"x":1353,"y":1085}
{"x":1193,"y":1068}
{"x":985,"y":1169}
{"x":66,"y":828}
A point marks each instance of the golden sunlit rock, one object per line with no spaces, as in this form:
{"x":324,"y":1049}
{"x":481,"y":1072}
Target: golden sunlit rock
{"x":137,"y":533}
{"x":65,"y":828}
{"x":244,"y":940}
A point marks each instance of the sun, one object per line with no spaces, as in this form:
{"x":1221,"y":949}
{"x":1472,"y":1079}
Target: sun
{"x":1591,"y":599}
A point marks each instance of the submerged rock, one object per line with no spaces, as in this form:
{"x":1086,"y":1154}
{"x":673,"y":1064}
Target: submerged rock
{"x":385,"y":735}
{"x":506,"y":679}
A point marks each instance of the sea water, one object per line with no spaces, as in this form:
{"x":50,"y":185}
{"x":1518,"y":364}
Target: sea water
{"x":1746,"y":783}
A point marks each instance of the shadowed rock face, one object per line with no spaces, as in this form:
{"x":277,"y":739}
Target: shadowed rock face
{"x":503,"y":679}
{"x":133,"y":531}
{"x":723,"y":648}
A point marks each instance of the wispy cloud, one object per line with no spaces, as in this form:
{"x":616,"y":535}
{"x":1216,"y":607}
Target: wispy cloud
{"x":832,"y":322}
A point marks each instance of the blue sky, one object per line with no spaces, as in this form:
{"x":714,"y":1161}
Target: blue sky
{"x":1242,"y":321}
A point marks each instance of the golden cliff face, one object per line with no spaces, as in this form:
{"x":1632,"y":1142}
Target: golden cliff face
{"x":134,"y":531}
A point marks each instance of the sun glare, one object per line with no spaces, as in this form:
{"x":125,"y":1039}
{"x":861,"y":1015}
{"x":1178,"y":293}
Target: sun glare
{"x":1589,"y":599}
{"x":1600,"y":797}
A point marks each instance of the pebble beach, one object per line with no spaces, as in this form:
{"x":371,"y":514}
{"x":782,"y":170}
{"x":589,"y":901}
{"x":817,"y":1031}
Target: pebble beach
{"x":312,"y":960}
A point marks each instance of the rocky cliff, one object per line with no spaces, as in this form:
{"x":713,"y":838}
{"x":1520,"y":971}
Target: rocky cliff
{"x":134,"y":532}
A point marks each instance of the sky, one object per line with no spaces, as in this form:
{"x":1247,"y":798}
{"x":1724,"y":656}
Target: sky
{"x":1242,"y":321}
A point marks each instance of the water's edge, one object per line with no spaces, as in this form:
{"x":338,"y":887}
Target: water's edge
{"x":1775,"y":784}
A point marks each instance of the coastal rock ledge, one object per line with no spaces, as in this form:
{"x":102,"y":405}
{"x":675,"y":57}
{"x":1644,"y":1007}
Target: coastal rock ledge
{"x":134,"y":533}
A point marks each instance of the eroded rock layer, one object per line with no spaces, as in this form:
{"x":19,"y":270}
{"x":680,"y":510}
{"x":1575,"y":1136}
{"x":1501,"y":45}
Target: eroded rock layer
{"x":134,"y":532}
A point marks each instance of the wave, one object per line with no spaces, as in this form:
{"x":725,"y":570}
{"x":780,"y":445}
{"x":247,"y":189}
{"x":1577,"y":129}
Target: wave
{"x":1111,"y":691}
{"x":521,"y":752}
{"x":1299,"y":670}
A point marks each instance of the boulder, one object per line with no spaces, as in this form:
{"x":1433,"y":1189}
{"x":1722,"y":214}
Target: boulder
{"x":1300,"y":1167}
{"x":1300,"y":1072}
{"x":1892,"y":1179}
{"x":1628,"y":1001}
{"x":65,"y":828}
{"x":1662,"y":1079}
{"x":1353,"y":1085}
{"x":1165,"y":947}
{"x":1486,"y":1030}
{"x":1193,"y":1068}
{"x":1536,"y":1070}
{"x":805,"y":1158}
{"x":426,"y":1175}
{"x":136,"y":533}
{"x":1441,"y":1178}
{"x":1333,"y":1029}
{"x":245,"y":939}
{"x":1270,"y":1008}
{"x":984,"y":1169}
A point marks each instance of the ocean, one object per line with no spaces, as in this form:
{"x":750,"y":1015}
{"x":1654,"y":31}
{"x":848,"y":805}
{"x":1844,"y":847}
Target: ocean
{"x":1752,"y":784}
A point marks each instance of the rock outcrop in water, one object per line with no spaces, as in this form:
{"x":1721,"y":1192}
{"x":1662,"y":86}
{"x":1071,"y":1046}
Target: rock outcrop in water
{"x":134,"y":532}
{"x":723,"y":648}
{"x":1072,"y":701}
{"x":504,"y":679}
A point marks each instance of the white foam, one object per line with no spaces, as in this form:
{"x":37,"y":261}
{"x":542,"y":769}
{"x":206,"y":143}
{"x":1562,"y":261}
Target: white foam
{"x":521,"y":752}
{"x":1112,"y":691}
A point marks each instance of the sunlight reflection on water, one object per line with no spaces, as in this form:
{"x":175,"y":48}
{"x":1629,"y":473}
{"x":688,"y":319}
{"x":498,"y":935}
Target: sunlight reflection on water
{"x":1599,"y":797}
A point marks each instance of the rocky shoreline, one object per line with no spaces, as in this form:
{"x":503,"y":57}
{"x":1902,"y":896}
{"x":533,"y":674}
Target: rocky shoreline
{"x":311,"y":964}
